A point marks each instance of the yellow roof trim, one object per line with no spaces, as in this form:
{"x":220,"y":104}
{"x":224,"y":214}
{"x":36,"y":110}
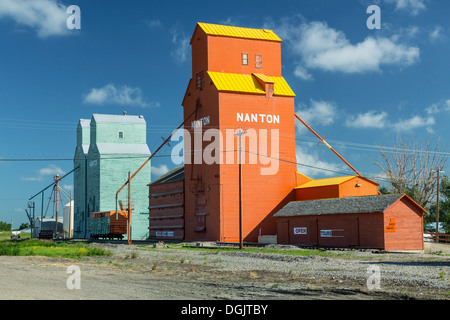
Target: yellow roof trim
{"x":263,"y":78}
{"x":247,"y":83}
{"x":325,"y":182}
{"x":238,"y":32}
{"x":281,"y":87}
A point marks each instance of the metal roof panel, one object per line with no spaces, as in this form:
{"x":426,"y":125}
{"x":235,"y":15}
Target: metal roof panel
{"x":239,"y":32}
{"x":246,"y":83}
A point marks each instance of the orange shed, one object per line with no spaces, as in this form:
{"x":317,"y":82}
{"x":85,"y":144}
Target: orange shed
{"x":389,"y":222}
{"x":339,"y":187}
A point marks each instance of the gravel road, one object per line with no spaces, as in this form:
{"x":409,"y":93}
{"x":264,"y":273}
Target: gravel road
{"x":154,"y":273}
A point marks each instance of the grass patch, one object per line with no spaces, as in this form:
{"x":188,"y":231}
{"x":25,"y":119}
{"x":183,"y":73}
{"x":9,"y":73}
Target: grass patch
{"x":68,"y":250}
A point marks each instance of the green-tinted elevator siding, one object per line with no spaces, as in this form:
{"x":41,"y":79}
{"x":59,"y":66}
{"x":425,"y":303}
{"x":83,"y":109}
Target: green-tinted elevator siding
{"x":111,"y":156}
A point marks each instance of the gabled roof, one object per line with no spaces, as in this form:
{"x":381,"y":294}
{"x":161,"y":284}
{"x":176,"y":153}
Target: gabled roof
{"x":330,"y":182}
{"x":238,"y":32}
{"x":173,"y":175}
{"x":365,"y":204}
{"x":85,"y":123}
{"x":114,"y":118}
{"x":248,"y":83}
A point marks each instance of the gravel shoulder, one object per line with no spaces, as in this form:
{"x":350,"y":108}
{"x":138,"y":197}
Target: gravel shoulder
{"x":148,"y":272}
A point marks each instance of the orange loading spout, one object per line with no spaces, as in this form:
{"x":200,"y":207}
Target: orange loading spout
{"x":325,"y":143}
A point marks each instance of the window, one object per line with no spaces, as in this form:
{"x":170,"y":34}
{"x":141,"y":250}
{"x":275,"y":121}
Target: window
{"x":200,"y":80}
{"x":244,"y":59}
{"x":120,"y":134}
{"x":258,"y":60}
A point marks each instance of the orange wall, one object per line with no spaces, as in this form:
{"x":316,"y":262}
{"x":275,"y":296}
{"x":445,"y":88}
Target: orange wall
{"x":345,"y":189}
{"x":221,"y":182}
{"x":224,"y":54}
{"x":314,"y":193}
{"x":349,"y":188}
{"x":261,"y":193}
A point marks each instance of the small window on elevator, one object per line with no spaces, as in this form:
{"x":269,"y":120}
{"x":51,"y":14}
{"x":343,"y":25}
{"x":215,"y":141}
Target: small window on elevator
{"x":258,"y":60}
{"x":120,"y":135}
{"x":200,"y":80}
{"x":244,"y":59}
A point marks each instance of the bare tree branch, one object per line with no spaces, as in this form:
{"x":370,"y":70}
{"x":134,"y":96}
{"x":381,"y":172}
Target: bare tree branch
{"x":409,"y":167}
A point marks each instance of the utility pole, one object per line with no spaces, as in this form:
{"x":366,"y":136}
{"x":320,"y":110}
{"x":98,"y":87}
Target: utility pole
{"x":239,"y":134}
{"x":438,"y":171}
{"x":129,"y":208}
{"x":56,"y":178}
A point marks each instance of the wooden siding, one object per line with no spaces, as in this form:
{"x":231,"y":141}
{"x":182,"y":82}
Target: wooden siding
{"x":408,"y":219}
{"x":344,"y":230}
{"x":166,"y":210}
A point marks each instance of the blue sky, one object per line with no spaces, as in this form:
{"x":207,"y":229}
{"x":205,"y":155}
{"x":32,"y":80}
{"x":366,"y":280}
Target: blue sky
{"x":357,"y":86}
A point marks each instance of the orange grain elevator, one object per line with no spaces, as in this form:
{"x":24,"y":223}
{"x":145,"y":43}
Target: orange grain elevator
{"x":237,"y":83}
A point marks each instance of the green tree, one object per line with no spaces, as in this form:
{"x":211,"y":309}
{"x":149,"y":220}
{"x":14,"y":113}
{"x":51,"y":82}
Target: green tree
{"x":5,"y":226}
{"x":24,"y":226}
{"x":444,"y":206}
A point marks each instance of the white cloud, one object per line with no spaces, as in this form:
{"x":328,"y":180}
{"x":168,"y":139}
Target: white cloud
{"x":47,"y":17}
{"x":380,"y":120}
{"x":123,"y":95}
{"x":441,"y":106}
{"x":371,"y":119}
{"x":302,"y":73}
{"x":321,"y":47}
{"x":153,"y":24}
{"x":159,"y":170}
{"x":181,"y":42}
{"x":313,"y":166}
{"x":68,"y":187}
{"x":50,"y":170}
{"x":411,"y":6}
{"x":318,"y":112}
{"x":413,"y":123}
{"x":437,"y":34}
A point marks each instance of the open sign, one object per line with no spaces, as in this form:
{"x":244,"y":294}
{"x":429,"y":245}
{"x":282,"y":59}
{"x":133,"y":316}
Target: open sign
{"x":300,"y":230}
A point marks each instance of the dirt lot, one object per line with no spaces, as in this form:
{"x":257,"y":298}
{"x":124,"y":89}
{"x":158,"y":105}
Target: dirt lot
{"x":161,"y":273}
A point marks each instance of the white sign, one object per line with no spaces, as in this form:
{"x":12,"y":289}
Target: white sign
{"x":301,"y":230}
{"x":200,"y":122}
{"x":255,"y":117}
{"x":326,"y":233}
{"x":164,"y":233}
